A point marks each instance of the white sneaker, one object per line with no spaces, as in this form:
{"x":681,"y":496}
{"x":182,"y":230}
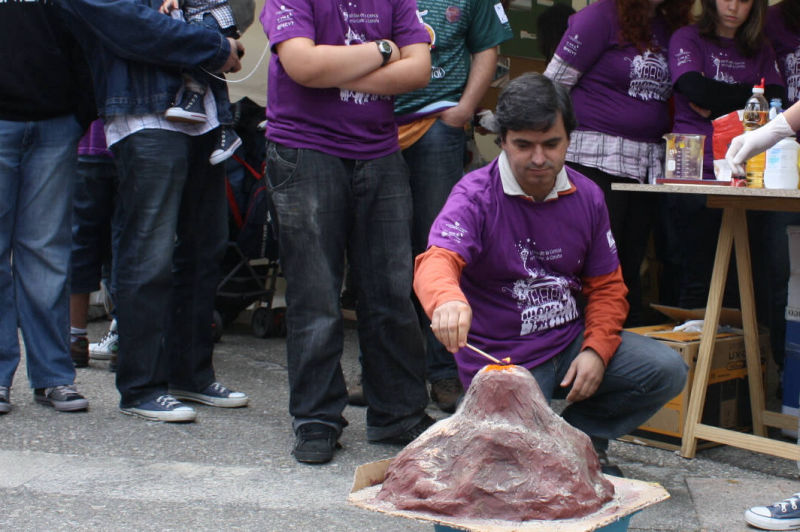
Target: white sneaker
{"x":107,"y":346}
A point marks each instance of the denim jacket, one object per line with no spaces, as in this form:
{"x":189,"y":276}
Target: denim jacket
{"x":136,"y":54}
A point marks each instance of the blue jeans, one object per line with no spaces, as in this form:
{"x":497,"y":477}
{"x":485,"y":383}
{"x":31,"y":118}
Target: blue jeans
{"x":173,"y":233}
{"x":436,"y":164}
{"x":641,"y":377}
{"x":327,"y":206}
{"x":37,"y":166}
{"x":95,"y":230}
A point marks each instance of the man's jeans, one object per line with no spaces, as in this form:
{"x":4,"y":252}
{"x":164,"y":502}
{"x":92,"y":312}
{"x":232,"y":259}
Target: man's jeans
{"x":173,"y":234}
{"x":327,"y":206}
{"x":37,"y":166}
{"x":435,"y":163}
{"x":93,"y":222}
{"x":640,"y":378}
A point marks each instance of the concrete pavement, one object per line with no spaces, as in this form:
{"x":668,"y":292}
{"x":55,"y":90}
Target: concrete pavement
{"x":231,"y":470}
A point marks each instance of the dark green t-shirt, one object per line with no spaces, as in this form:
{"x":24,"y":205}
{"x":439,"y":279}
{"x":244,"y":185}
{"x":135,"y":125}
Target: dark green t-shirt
{"x":458,"y":29}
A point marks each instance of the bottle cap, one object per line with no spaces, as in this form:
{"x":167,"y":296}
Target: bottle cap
{"x":759,"y":89}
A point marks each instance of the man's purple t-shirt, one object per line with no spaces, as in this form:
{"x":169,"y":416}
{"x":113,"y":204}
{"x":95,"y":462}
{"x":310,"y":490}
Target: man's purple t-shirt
{"x":786,"y":44}
{"x":721,"y":61}
{"x":524,"y":265}
{"x":623,"y":92}
{"x":93,"y":141}
{"x":342,"y":123}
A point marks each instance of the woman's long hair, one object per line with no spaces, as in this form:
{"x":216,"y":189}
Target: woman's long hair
{"x":749,"y":36}
{"x":790,"y":11}
{"x":635,"y":25}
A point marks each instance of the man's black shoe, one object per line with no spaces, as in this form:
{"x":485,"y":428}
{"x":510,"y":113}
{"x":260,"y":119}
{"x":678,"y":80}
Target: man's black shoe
{"x":446,"y":393}
{"x":608,"y":467}
{"x":404,"y":438}
{"x":315,"y":443}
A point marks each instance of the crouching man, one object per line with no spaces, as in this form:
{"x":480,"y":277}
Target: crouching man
{"x":514,"y":248}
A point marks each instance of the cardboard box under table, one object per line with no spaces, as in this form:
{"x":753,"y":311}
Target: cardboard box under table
{"x":727,"y":395}
{"x":630,"y":497}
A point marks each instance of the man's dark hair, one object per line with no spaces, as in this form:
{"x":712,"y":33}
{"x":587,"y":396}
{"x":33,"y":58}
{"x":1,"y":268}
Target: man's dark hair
{"x":533,"y":102}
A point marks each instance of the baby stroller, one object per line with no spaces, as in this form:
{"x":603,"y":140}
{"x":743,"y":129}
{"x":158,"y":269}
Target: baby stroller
{"x":250,"y":266}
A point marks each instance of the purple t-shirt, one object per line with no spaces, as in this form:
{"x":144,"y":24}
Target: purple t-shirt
{"x":524,"y":265}
{"x":689,"y":52}
{"x":93,"y":141}
{"x":342,"y":123}
{"x":787,"y":49}
{"x":623,"y":92}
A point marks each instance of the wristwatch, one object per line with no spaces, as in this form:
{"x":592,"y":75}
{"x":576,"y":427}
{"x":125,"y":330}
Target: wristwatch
{"x":385,"y":49}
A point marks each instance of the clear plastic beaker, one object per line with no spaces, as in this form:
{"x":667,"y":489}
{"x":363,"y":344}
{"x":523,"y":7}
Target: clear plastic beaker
{"x":684,"y":156}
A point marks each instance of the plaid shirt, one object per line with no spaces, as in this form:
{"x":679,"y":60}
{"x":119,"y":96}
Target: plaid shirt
{"x":641,"y":161}
{"x":219,"y":9}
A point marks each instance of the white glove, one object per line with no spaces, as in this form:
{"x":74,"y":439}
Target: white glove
{"x":754,"y":142}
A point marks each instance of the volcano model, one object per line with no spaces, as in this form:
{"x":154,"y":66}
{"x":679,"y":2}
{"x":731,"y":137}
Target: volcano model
{"x":503,"y":455}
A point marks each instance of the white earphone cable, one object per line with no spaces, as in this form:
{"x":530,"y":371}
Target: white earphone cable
{"x":258,"y":64}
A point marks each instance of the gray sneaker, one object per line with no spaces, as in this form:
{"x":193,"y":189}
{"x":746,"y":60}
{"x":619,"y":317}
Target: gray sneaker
{"x":62,"y":398}
{"x":5,"y":395}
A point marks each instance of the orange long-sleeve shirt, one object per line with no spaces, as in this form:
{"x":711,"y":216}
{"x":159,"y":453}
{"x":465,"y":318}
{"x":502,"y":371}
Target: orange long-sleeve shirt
{"x":437,"y":273}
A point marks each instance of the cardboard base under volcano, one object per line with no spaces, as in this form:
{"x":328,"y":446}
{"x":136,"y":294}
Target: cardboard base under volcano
{"x":630,"y":496}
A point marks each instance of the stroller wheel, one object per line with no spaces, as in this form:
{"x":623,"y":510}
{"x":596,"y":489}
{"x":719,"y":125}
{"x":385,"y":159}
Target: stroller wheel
{"x":261,"y":322}
{"x":216,"y":327}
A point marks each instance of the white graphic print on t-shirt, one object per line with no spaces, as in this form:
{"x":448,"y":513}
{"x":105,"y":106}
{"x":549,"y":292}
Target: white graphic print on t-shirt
{"x":545,"y":301}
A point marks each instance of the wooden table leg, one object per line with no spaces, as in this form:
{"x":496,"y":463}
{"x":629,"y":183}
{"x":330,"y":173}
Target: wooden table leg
{"x":749,"y":322}
{"x":697,"y":394}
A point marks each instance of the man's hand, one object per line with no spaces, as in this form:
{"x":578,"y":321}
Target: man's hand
{"x":450,"y":323}
{"x":584,"y":374}
{"x":456,"y":116}
{"x":233,"y":64}
{"x":168,"y":6}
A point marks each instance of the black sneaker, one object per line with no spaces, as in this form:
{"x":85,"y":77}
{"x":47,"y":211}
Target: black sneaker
{"x":190,"y":109}
{"x":227,"y":143}
{"x":607,"y":466}
{"x":446,"y":393}
{"x":5,"y":403}
{"x":79,"y":352}
{"x":315,"y":443}
{"x":784,"y":515}
{"x":404,"y":438}
{"x":62,"y":398}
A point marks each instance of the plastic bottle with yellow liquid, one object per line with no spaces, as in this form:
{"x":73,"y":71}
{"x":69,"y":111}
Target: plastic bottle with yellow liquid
{"x":755,"y":116}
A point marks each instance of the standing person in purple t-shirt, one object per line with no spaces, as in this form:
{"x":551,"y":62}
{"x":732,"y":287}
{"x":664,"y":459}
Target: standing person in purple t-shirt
{"x":613,"y":58}
{"x":339,"y":185}
{"x":94,"y":197}
{"x":782,"y":28}
{"x":714,"y":65}
{"x":515,"y":246}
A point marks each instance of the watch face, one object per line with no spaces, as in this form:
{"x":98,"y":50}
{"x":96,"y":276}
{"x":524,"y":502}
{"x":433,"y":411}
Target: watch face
{"x":385,"y":47}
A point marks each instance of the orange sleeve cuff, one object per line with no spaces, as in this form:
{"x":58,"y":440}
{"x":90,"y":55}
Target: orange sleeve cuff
{"x":437,"y":273}
{"x":605,"y":313}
